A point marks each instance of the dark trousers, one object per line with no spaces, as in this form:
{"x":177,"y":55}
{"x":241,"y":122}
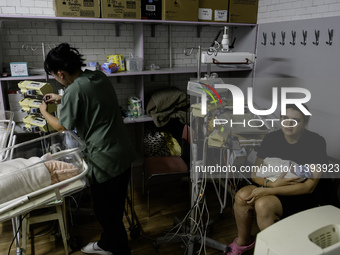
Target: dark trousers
{"x":109,"y":202}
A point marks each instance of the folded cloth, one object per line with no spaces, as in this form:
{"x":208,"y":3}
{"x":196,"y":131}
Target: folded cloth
{"x":60,"y":170}
{"x":22,"y":176}
{"x":166,"y":104}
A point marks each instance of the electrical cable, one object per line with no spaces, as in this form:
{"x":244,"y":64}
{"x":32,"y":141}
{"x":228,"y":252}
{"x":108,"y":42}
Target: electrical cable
{"x":196,"y":219}
{"x":16,"y":233}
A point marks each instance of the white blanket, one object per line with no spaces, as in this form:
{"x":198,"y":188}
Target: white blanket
{"x":274,"y":168}
{"x":22,"y":176}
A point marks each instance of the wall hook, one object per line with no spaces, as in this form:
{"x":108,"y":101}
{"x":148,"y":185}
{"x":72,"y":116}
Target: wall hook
{"x":304,"y":33}
{"x":50,"y":46}
{"x":283,"y":36}
{"x":317,"y":36}
{"x":190,"y":52}
{"x":24,"y":46}
{"x":264,"y":38}
{"x":293,"y":37}
{"x":330,"y":35}
{"x":273,"y":36}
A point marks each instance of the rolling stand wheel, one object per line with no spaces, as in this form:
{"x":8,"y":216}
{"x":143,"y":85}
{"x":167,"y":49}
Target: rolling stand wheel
{"x":134,"y":233}
{"x":155,"y":246}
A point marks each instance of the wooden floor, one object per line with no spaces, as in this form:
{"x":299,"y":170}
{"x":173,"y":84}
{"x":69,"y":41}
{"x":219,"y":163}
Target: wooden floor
{"x":167,"y":201}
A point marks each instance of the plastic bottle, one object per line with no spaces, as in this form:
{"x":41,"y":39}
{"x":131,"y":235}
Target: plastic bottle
{"x":4,"y":72}
{"x":97,"y":66}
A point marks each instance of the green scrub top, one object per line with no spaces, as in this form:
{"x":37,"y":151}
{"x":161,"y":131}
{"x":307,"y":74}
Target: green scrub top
{"x":90,"y":106}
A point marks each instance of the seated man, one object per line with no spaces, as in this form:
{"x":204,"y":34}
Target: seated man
{"x":269,"y":201}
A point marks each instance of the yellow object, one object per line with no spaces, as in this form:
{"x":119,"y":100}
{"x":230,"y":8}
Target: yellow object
{"x":186,"y":10}
{"x":117,"y":59}
{"x":77,"y":8}
{"x":172,"y":144}
{"x":120,"y":9}
{"x":35,"y":88}
{"x":122,"y":62}
{"x":24,"y":103}
{"x":27,"y":104}
{"x":34,"y":123}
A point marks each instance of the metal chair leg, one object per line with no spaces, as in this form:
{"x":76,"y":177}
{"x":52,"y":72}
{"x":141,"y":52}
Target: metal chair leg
{"x":148,"y":198}
{"x":25,"y":233}
{"x":62,"y":225}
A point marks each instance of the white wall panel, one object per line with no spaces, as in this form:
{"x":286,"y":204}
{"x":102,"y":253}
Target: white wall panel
{"x":310,"y":66}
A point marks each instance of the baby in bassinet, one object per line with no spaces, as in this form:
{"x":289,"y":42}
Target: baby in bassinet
{"x":22,"y":176}
{"x":274,"y":168}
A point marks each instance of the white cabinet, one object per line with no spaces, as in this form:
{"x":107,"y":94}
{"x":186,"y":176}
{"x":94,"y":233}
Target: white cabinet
{"x":156,"y":41}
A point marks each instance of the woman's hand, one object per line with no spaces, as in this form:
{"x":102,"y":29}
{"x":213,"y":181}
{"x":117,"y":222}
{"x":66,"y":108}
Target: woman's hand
{"x":52,"y":98}
{"x":43,"y":107}
{"x":281,"y":181}
{"x":260,"y":192}
{"x":255,"y":194}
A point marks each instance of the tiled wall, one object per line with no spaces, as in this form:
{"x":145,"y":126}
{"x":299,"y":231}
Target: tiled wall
{"x":285,"y":10}
{"x":22,"y":42}
{"x":27,"y":7}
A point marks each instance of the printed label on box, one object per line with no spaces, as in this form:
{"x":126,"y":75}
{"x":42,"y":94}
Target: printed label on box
{"x":204,"y":14}
{"x":88,"y":3}
{"x":150,"y":8}
{"x":130,"y":5}
{"x":221,"y":15}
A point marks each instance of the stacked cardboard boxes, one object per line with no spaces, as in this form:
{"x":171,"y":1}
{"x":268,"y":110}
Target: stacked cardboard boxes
{"x":243,"y":11}
{"x":213,"y":10}
{"x":232,"y":11}
{"x":186,"y":10}
{"x":121,"y":9}
{"x":77,"y":8}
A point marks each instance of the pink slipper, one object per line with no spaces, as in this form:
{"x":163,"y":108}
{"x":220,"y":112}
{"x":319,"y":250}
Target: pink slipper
{"x":234,"y":249}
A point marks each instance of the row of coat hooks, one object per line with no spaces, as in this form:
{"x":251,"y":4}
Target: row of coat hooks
{"x":34,"y":47}
{"x":293,"y":35}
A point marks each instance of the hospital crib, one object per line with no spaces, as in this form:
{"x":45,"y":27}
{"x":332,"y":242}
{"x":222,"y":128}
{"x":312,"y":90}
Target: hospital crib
{"x":7,"y":126}
{"x":37,"y":174}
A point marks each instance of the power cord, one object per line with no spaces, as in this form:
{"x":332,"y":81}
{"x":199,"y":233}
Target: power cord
{"x":16,"y":233}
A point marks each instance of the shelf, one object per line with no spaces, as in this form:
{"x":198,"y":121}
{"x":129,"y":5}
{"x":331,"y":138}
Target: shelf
{"x":174,"y":70}
{"x":81,"y":19}
{"x":141,"y":119}
{"x":245,"y":31}
{"x":32,"y":77}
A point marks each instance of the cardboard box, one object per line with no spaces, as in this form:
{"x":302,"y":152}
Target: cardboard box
{"x":151,"y":9}
{"x":213,"y":10}
{"x":243,"y":11}
{"x":186,"y":10}
{"x":121,"y":9}
{"x":77,"y":8}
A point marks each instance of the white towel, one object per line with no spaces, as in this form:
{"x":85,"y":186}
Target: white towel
{"x":274,"y":168}
{"x":22,"y":176}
